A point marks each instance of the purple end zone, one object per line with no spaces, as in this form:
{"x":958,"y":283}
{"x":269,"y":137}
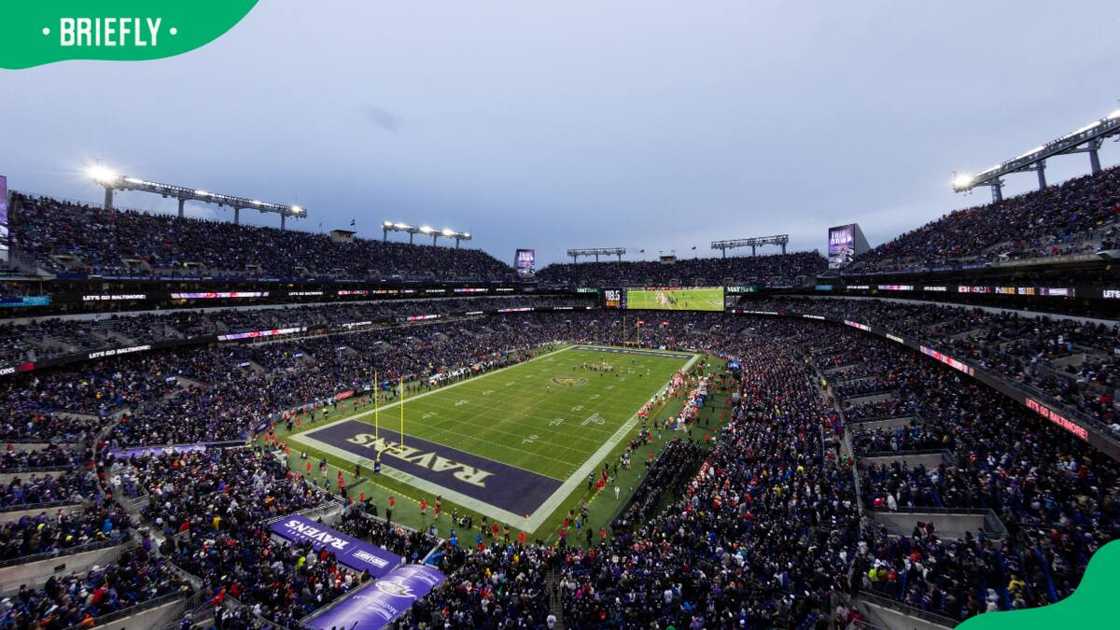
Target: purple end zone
{"x":513,"y":489}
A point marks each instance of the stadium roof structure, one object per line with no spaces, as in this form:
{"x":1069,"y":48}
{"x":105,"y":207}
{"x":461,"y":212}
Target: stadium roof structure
{"x":412,"y":231}
{"x":1087,"y":139}
{"x":597,"y":252}
{"x":754,"y":242}
{"x":112,"y":181}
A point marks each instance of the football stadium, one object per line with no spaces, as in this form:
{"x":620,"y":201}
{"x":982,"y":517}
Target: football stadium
{"x":251,"y":381}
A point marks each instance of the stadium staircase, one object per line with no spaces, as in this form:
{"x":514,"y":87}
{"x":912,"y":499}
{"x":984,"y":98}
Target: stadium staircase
{"x":556,"y":604}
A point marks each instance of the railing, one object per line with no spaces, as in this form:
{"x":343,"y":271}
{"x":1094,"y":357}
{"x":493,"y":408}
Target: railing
{"x":908,"y":453}
{"x":194,"y":604}
{"x":59,"y":553}
{"x":993,"y":525}
{"x":858,"y":421}
{"x":128,"y":612}
{"x":906,"y":609}
{"x":39,"y":506}
{"x":37,"y":469}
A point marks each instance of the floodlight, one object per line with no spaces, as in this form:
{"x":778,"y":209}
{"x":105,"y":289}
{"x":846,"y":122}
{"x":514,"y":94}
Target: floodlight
{"x":426,"y":229}
{"x":102,"y":174}
{"x":448,"y":232}
{"x":387,"y":224}
{"x":964,"y":180}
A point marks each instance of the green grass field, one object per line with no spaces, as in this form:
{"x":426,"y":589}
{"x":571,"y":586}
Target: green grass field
{"x":677,"y":299}
{"x":555,"y":416}
{"x":547,"y":415}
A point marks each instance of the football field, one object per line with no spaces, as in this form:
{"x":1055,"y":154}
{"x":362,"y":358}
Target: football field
{"x":513,"y":443}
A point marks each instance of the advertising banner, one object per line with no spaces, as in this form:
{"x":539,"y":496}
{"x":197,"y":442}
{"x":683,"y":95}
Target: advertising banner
{"x":378,"y":604}
{"x":351,"y":552}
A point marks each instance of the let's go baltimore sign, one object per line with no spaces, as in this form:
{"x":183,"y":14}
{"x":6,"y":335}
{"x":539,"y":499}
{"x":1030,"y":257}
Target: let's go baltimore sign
{"x":36,"y":32}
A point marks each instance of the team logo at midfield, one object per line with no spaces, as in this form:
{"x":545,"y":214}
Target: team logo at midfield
{"x":569,"y":381}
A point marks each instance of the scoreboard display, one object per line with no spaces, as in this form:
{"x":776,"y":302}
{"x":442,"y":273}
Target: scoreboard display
{"x":612,"y":298}
{"x":675,"y":299}
{"x":525,"y":262}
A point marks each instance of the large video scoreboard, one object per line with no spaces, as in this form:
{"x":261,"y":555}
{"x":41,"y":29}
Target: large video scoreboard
{"x":675,"y":299}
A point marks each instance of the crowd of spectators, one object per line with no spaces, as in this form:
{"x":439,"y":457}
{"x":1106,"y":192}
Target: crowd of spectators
{"x":47,"y":338}
{"x":51,"y":456}
{"x":1078,"y":216}
{"x":65,"y":236}
{"x":663,"y":478}
{"x":777,"y":270}
{"x":765,"y":534}
{"x":212,"y":508}
{"x":411,"y":545}
{"x":1075,"y":362}
{"x":72,"y":486}
{"x":60,"y":531}
{"x":78,"y":600}
{"x":1055,"y":495}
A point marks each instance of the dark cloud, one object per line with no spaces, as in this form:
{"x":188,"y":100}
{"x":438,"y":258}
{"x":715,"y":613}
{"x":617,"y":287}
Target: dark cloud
{"x":382,"y":118}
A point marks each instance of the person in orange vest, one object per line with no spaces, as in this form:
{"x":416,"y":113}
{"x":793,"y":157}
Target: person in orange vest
{"x":423,"y":507}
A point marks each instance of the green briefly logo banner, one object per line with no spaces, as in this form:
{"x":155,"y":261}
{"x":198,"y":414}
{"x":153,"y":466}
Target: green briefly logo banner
{"x":35,"y":32}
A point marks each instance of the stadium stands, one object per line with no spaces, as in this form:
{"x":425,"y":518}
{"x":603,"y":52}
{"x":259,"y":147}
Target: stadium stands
{"x":847,"y":471}
{"x":1073,"y":361}
{"x":68,"y":237}
{"x":782,"y":443}
{"x":49,"y":338}
{"x":1050,"y":490}
{"x":73,"y":601}
{"x":1078,"y":216}
{"x":779,"y":270}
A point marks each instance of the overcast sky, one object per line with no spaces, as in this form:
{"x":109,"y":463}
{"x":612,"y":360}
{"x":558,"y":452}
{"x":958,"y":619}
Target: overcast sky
{"x":651,"y":124}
